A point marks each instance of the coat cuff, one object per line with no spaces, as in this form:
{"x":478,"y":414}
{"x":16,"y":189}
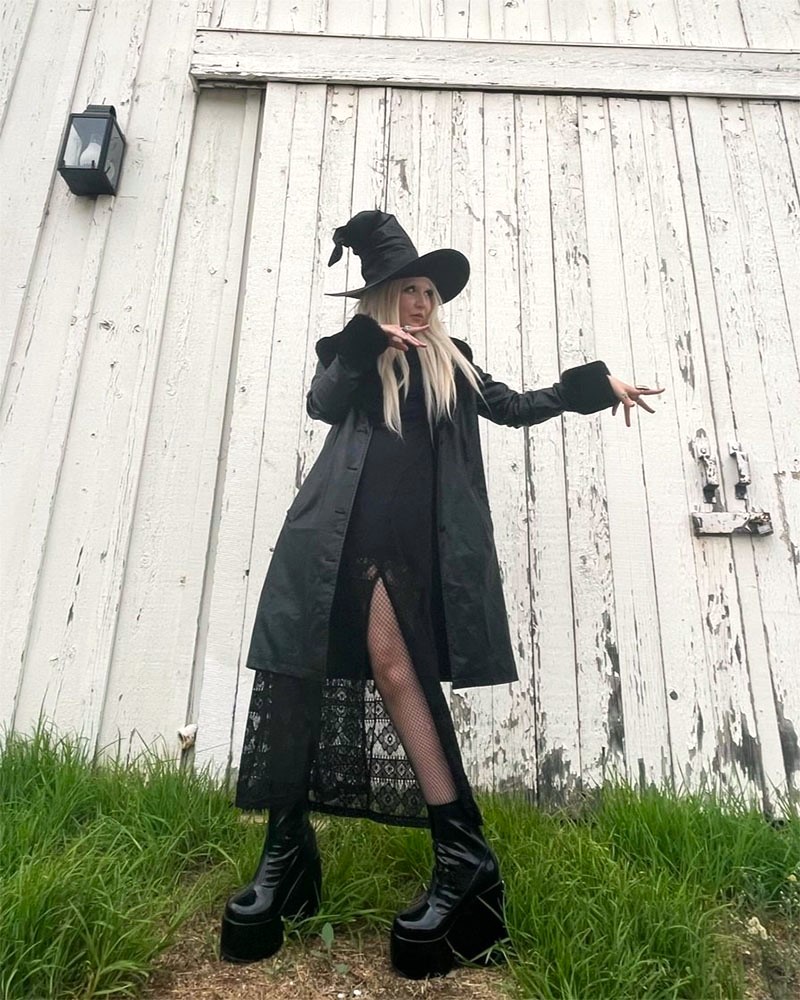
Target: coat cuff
{"x":358,"y":345}
{"x":586,"y":388}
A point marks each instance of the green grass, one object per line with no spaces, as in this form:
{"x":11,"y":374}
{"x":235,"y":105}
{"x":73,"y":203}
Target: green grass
{"x":99,"y":865}
{"x":630,"y":895}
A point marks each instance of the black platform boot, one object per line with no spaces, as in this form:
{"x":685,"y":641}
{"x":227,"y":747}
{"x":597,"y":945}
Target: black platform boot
{"x":460,"y":917}
{"x":287,"y":883}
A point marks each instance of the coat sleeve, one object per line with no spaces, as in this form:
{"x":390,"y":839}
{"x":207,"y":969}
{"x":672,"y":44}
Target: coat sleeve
{"x":583,"y":389}
{"x":344,"y":360}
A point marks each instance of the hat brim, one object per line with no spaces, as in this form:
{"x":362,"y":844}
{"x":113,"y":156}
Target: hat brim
{"x":447,"y":269}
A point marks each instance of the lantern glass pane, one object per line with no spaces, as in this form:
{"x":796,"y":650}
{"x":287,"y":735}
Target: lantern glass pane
{"x":85,"y":142}
{"x":114,"y":155}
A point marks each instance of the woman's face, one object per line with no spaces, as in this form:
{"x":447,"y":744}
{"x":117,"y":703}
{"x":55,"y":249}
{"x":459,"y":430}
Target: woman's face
{"x":417,"y":301}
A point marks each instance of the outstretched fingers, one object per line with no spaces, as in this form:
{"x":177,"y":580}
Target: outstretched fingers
{"x":402,"y":337}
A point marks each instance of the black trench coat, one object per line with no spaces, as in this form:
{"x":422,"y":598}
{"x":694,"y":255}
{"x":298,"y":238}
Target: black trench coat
{"x":290,"y":634}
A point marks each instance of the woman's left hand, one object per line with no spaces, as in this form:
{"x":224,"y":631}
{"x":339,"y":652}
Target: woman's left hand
{"x":630,"y":396}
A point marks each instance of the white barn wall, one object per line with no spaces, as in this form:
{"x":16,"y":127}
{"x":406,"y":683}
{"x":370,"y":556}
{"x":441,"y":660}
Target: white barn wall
{"x":735,"y":23}
{"x":159,"y":345}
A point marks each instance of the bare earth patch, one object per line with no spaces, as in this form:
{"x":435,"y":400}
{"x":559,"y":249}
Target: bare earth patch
{"x":771,"y":963}
{"x":358,"y":968}
{"x":303,"y":970}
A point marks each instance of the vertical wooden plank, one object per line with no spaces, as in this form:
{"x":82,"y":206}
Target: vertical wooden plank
{"x":370,"y":169}
{"x":50,"y":71}
{"x":771,"y":23}
{"x":515,"y":21}
{"x":646,"y":22}
{"x":703,"y":631}
{"x":411,"y":18}
{"x":509,"y":21}
{"x":433,"y":222}
{"x":596,"y":643}
{"x":240,"y":559}
{"x":634,"y":683}
{"x":82,"y":574}
{"x":405,"y":155}
{"x":48,"y":354}
{"x":720,"y":23}
{"x":15,"y":22}
{"x":159,"y":606}
{"x":237,"y":13}
{"x":472,"y":709}
{"x":582,"y":21}
{"x":337,"y":202}
{"x":496,"y":20}
{"x":782,"y":203}
{"x":700,"y":688}
{"x":437,"y":18}
{"x":790,"y":114}
{"x":231,"y":13}
{"x":347,"y":18}
{"x":285,"y":400}
{"x":538,"y":29}
{"x":371,"y":150}
{"x":36,"y":415}
{"x":741,"y":413}
{"x":289,"y":15}
{"x":451,"y":19}
{"x":379,"y":17}
{"x":354,"y":134}
{"x":552,"y":687}
{"x":778,"y":460}
{"x":511,"y":741}
{"x":479,"y":20}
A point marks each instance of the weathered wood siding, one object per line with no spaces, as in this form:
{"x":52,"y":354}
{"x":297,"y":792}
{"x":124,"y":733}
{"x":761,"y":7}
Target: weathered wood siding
{"x":157,"y":347}
{"x":740,"y":23}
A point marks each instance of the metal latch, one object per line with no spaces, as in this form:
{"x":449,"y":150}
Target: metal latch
{"x":742,"y":468}
{"x":702,"y":453}
{"x":722,"y":522}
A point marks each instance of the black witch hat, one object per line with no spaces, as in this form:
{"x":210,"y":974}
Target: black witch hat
{"x":387,"y":253}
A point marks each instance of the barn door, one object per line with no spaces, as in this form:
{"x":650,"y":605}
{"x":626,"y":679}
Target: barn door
{"x":640,"y":232}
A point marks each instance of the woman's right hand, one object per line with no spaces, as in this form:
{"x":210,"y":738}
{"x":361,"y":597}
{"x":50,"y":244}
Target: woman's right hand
{"x":401,"y":337}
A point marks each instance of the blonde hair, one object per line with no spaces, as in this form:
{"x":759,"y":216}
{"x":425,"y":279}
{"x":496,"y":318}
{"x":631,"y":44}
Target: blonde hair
{"x":438,"y":360}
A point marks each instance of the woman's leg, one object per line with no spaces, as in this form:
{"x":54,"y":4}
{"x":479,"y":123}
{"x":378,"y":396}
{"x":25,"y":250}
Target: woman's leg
{"x":405,"y":700}
{"x":461,"y":913}
{"x":274,"y":772}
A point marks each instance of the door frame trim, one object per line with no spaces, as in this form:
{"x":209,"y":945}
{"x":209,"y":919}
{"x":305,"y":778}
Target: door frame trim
{"x":223,"y":57}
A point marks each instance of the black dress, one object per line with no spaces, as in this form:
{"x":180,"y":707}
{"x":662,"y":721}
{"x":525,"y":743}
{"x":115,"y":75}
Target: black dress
{"x":335,"y":737}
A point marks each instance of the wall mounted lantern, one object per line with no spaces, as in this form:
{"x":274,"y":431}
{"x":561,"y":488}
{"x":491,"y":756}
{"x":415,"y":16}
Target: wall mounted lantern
{"x":91,"y":153}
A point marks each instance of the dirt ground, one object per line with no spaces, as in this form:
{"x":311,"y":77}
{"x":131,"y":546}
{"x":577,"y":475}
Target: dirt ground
{"x":771,"y":957}
{"x":303,"y":970}
{"x":359,"y":969}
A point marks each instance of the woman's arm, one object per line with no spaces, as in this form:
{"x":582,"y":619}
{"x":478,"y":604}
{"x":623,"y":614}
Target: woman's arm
{"x":344,"y":359}
{"x":584,"y":389}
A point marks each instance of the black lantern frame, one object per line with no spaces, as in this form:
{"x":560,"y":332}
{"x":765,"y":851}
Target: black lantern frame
{"x":94,"y":137}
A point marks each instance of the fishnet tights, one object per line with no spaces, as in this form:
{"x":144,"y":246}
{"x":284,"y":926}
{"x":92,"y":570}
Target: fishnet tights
{"x":405,"y":701}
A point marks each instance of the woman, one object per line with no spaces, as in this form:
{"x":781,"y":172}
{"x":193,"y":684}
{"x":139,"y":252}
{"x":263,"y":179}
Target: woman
{"x":384,"y":582}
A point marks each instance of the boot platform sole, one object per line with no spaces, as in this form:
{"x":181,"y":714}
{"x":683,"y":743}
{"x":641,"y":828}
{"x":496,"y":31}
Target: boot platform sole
{"x":244,"y":941}
{"x":250,"y":942}
{"x":470,"y":939}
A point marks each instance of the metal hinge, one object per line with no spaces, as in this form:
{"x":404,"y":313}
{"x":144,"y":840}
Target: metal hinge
{"x":749,"y":521}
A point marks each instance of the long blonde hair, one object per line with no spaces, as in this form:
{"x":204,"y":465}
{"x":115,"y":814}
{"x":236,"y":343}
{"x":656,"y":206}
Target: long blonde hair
{"x":438,"y":360}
